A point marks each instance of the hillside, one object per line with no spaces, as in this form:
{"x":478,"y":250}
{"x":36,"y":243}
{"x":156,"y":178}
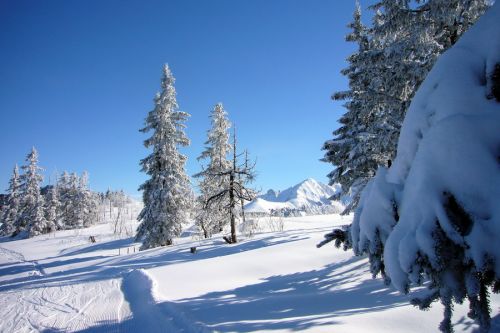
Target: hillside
{"x":273,"y":282}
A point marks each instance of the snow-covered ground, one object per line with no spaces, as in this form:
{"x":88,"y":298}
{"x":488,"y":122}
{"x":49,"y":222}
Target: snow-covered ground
{"x":274,"y":281}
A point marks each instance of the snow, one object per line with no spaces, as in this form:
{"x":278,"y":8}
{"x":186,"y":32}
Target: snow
{"x":434,"y":216}
{"x":260,"y":205}
{"x":307,"y":191}
{"x":275,"y":281}
{"x":449,"y":143}
{"x":309,"y":195}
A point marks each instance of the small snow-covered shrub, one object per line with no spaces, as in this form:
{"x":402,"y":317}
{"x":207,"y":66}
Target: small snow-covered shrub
{"x":250,"y":227}
{"x":275,"y":223}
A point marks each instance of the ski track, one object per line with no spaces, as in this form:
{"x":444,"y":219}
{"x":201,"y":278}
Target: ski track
{"x":123,"y":305}
{"x":67,"y":308}
{"x":16,"y":257}
{"x":12,"y":256}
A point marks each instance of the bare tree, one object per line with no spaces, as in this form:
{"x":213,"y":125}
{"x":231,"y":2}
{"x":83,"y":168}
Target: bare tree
{"x":240,"y":175}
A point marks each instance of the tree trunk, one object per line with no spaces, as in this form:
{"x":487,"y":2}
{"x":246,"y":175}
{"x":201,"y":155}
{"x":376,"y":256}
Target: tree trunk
{"x":232,"y":205}
{"x":232,"y":199}
{"x":205,"y":231}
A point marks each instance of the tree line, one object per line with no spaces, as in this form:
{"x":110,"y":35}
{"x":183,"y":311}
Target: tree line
{"x":168,"y":197}
{"x":31,"y":210}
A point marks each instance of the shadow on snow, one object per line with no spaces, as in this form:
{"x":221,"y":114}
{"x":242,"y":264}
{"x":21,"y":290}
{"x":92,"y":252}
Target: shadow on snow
{"x":285,"y":302}
{"x":115,"y":267}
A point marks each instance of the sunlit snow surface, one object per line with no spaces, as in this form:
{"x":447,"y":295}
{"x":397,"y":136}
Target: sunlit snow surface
{"x":272,"y":282}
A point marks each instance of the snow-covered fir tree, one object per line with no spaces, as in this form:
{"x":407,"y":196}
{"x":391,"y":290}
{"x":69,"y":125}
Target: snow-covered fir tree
{"x":32,"y":218}
{"x":408,"y":56}
{"x":349,"y":150}
{"x":86,"y":203}
{"x":52,"y":209}
{"x":38,"y":223}
{"x":167,"y":194}
{"x":391,"y":62}
{"x":78,"y":201}
{"x":10,"y":214}
{"x":212,"y":218}
{"x":429,"y":220}
{"x":78,"y":205}
{"x":73,"y":218}
{"x":449,"y":19}
{"x":63,"y":188}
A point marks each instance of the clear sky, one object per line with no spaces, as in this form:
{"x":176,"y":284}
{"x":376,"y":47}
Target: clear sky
{"x":77,"y":79}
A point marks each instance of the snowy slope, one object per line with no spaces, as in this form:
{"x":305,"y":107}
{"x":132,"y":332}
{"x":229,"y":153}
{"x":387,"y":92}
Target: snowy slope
{"x":260,"y":205}
{"x":309,"y":192}
{"x":275,"y":282}
{"x":309,"y":195}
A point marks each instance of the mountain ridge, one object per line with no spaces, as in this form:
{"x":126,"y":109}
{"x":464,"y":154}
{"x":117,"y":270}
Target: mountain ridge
{"x":309,"y":196}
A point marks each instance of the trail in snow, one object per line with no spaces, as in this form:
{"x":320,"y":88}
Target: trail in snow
{"x":149,"y":314}
{"x":11,"y":256}
{"x":66,"y":308}
{"x":16,"y":257}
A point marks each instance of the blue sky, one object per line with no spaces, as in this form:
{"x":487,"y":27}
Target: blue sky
{"x":77,"y":79}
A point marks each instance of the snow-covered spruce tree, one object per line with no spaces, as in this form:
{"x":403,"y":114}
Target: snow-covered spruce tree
{"x":167,"y":193}
{"x":52,"y":209}
{"x":348,"y":150}
{"x":399,"y":50}
{"x":86,"y":204}
{"x":63,"y":187}
{"x":72,"y":217}
{"x":212,"y":218}
{"x":32,"y":218}
{"x":11,"y":212}
{"x":432,"y":216}
{"x":236,"y":190}
{"x":38,"y":223}
{"x":407,"y":57}
{"x":77,"y":203}
{"x":449,"y":19}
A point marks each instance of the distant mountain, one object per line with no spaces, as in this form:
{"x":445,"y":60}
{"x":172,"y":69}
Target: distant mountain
{"x":309,"y":197}
{"x":271,"y":195}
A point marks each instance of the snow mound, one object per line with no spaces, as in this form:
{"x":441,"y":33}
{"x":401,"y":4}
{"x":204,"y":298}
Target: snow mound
{"x":149,"y":312}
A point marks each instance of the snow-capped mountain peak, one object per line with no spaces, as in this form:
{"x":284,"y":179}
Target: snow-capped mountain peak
{"x":309,"y":195}
{"x":308,"y":191}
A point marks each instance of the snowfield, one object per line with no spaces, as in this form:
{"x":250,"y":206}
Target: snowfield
{"x":273,"y":281}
